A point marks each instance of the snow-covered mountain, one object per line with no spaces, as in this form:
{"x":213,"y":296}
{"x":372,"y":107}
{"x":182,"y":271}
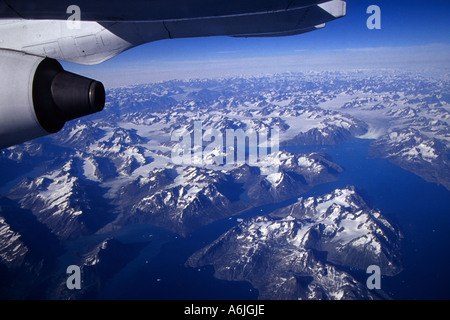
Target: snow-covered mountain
{"x":63,"y":201}
{"x":183,"y":198}
{"x":28,"y":253}
{"x":303,"y":251}
{"x":13,"y":249}
{"x":414,"y":151}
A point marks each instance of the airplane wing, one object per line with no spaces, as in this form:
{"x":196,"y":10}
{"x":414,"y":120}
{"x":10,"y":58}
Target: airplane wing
{"x":35,"y":34}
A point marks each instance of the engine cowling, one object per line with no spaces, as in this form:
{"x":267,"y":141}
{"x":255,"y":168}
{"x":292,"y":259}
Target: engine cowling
{"x":37,"y":97}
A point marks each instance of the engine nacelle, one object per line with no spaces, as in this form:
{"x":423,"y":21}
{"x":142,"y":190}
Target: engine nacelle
{"x":37,"y":97}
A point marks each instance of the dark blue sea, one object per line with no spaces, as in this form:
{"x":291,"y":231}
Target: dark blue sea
{"x":420,"y":209}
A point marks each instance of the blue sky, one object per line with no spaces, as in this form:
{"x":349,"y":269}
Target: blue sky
{"x":413,"y":33}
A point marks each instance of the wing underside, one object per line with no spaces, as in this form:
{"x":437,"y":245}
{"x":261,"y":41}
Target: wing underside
{"x":145,"y":10}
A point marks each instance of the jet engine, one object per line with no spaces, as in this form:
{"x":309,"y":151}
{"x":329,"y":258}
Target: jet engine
{"x":37,"y":97}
